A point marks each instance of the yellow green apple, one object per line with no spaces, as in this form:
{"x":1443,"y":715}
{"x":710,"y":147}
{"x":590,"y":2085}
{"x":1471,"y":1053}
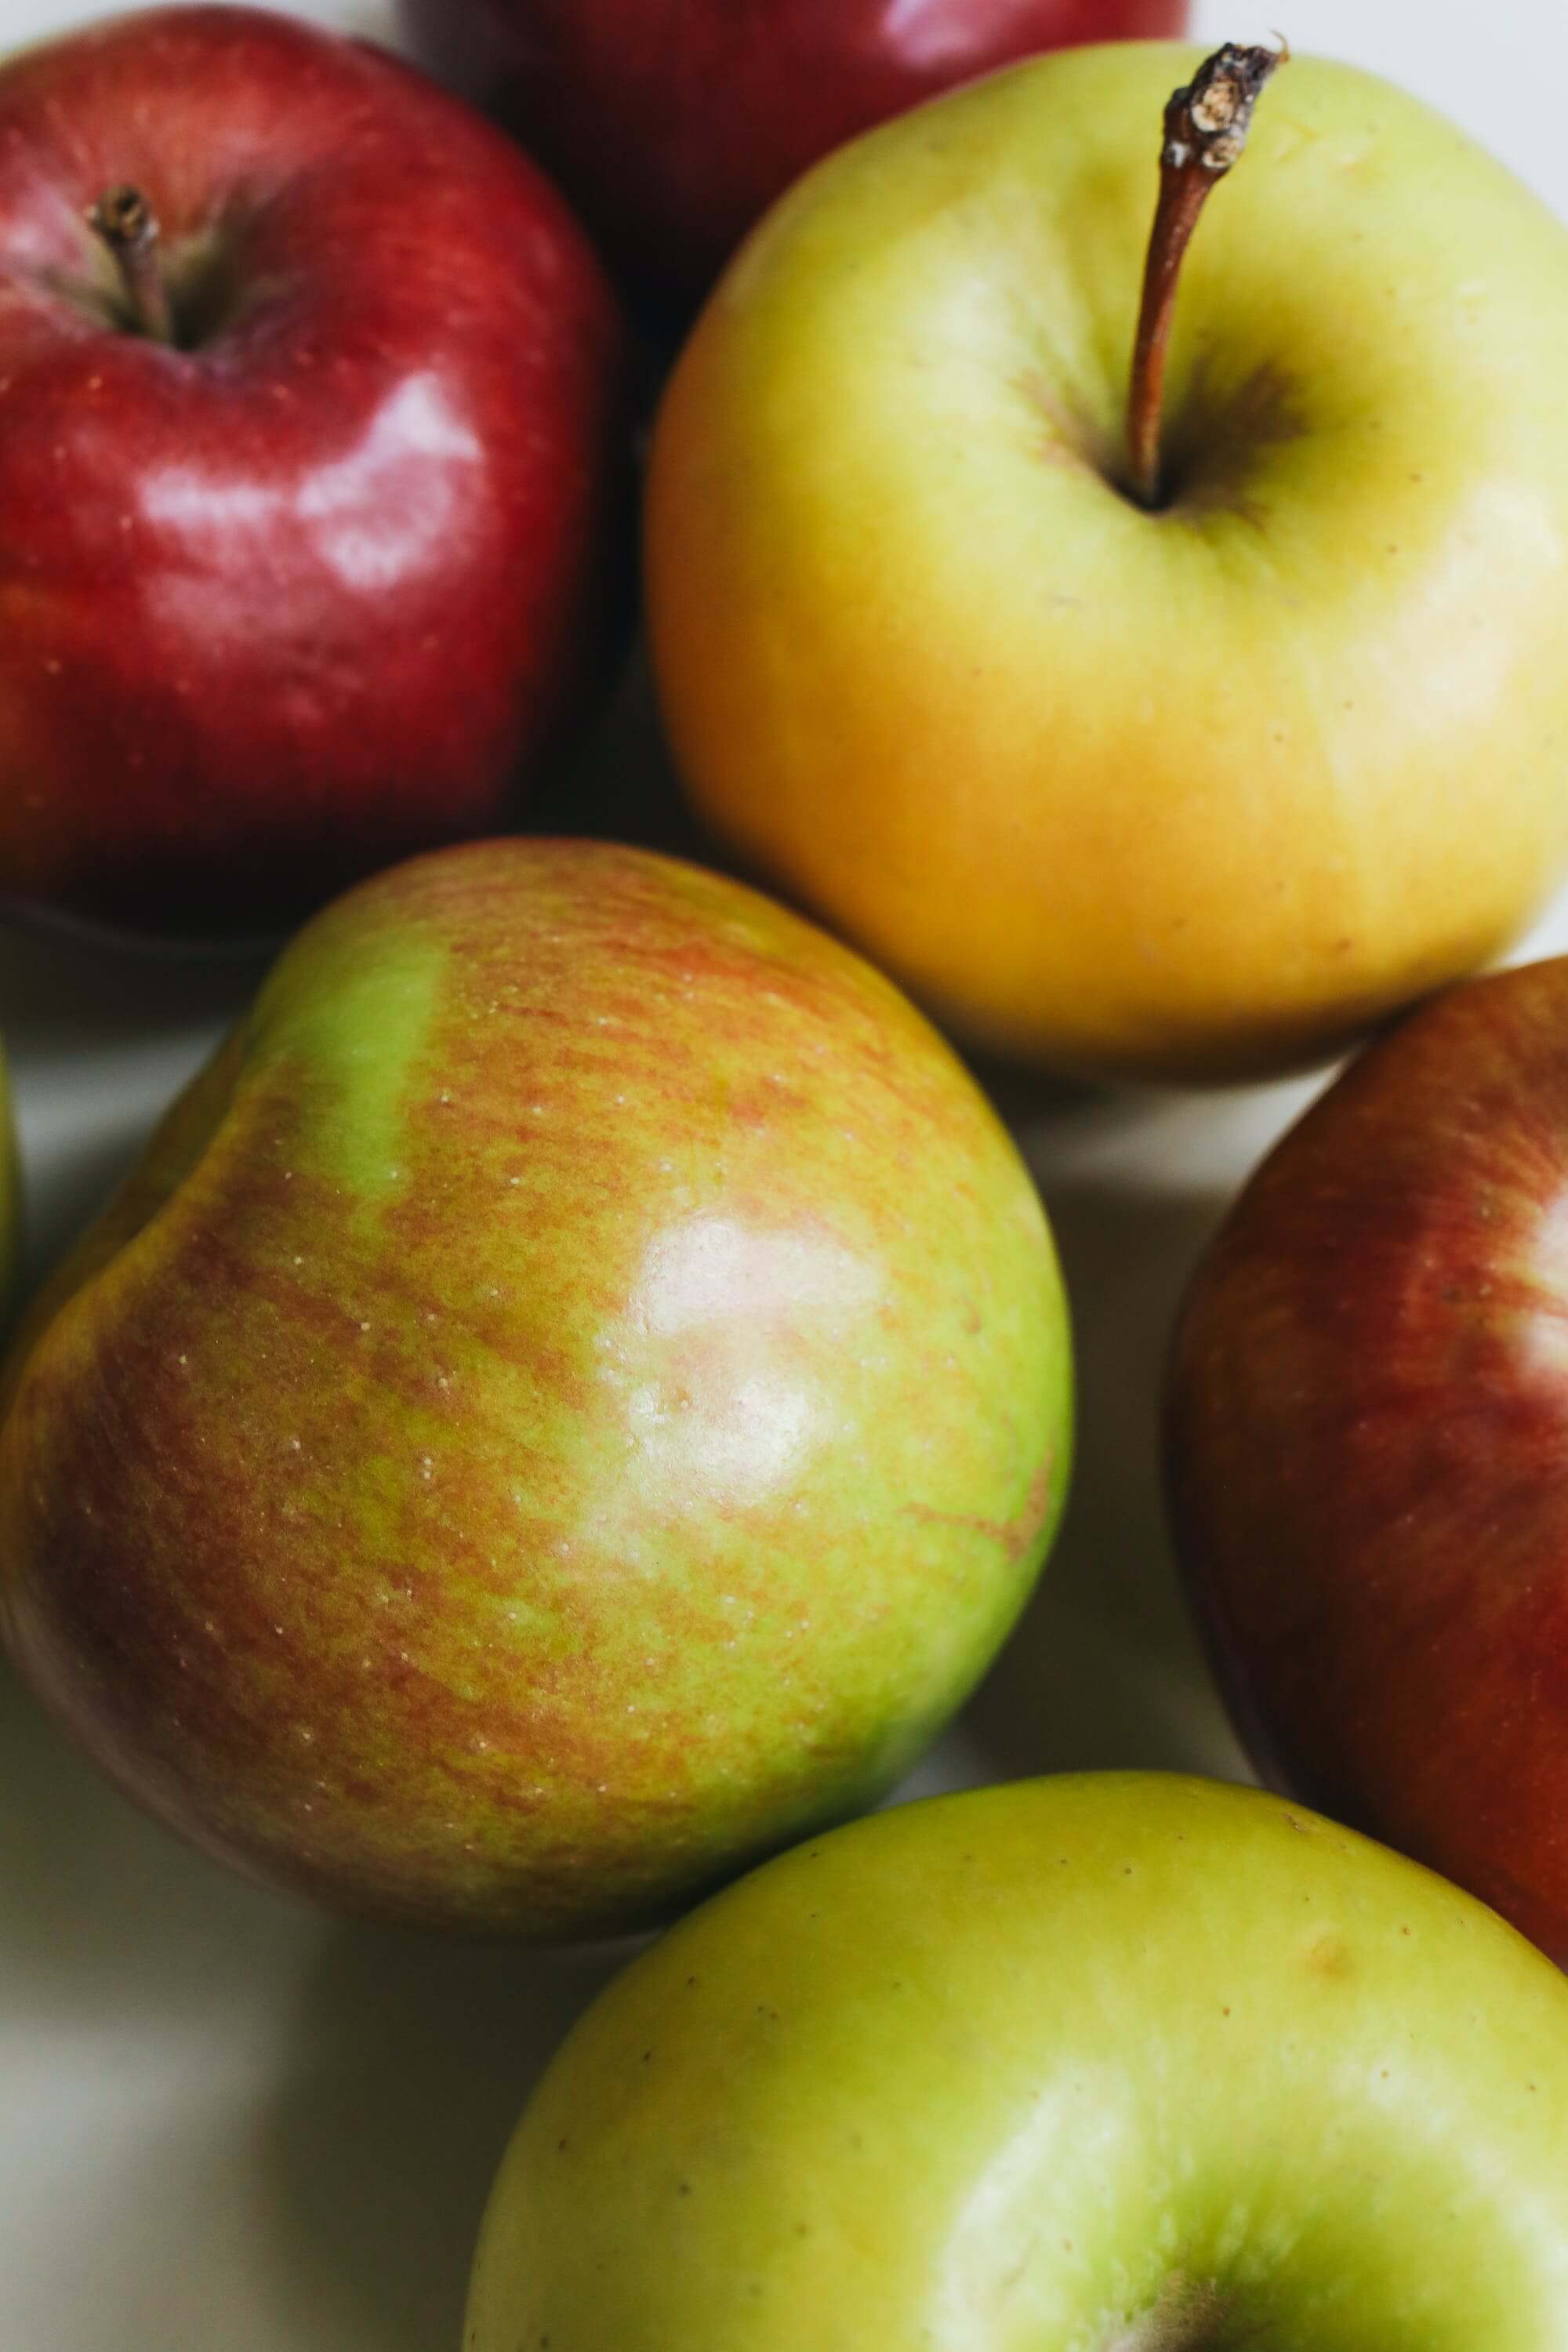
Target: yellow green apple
{"x":576,"y":1395}
{"x":1195,"y":789}
{"x":1115,"y":2063}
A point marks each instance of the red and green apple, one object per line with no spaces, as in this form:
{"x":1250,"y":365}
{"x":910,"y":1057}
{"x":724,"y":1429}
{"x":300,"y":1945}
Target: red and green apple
{"x":1119,"y":2062}
{"x":309,"y":459}
{"x":575,"y":1397}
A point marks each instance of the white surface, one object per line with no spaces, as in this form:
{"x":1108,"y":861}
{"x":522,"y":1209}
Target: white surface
{"x":227,"y":2124}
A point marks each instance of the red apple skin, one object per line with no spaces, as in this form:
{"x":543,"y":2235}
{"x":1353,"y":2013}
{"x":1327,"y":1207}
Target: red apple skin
{"x":323,"y":588}
{"x":1368,"y":1447}
{"x":674,"y":123}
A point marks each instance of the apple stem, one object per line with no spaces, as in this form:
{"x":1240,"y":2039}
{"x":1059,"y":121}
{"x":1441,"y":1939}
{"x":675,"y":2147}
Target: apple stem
{"x":128,"y":226}
{"x":1206,"y":124}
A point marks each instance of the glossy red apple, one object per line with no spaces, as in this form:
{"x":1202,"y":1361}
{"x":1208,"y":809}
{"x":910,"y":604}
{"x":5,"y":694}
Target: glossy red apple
{"x":674,"y":123}
{"x":1369,"y":1447}
{"x":317,"y":581}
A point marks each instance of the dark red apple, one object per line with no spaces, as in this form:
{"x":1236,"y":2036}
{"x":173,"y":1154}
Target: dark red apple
{"x":674,"y":123}
{"x":1368,"y":1441}
{"x":319,"y":578}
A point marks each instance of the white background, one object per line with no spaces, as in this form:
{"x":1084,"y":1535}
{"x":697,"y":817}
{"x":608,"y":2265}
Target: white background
{"x":226,"y":2125}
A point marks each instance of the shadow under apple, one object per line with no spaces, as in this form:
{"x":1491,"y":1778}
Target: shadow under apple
{"x":64,"y":992}
{"x":314,"y":2109}
{"x":1105,"y":1669}
{"x":80,"y":1183}
{"x":106,"y":1919}
{"x":413,"y":2062}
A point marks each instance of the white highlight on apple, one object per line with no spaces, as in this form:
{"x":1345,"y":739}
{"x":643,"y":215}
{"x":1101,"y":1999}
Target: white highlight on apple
{"x":997,"y":2263}
{"x":716,"y":1351}
{"x":1545,"y":1332}
{"x":371,"y":515}
{"x":1464,"y":666}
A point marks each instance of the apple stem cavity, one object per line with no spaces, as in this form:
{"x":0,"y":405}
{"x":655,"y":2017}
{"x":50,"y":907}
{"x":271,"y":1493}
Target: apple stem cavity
{"x":1206,"y":126}
{"x":128,"y":226}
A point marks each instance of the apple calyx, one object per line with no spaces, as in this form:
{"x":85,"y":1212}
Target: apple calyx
{"x":128,"y":226}
{"x":1206,"y":125}
{"x":1188,"y":2317}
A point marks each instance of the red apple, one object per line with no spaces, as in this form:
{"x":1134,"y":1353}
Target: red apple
{"x":315,"y":581}
{"x":1369,"y":1447}
{"x":674,"y":123}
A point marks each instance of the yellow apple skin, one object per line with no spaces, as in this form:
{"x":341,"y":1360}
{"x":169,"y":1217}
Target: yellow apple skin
{"x":1199,"y":792}
{"x":1112,"y":2063}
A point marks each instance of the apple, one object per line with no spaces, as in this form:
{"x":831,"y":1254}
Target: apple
{"x":674,"y":123}
{"x":311,"y":438}
{"x":1113,"y":2061}
{"x":574,"y":1396}
{"x":1368,"y":1421}
{"x":1195,"y":785}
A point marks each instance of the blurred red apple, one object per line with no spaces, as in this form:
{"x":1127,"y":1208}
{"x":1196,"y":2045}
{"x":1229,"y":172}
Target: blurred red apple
{"x":304,"y":507}
{"x":1369,"y":1447}
{"x":674,"y":123}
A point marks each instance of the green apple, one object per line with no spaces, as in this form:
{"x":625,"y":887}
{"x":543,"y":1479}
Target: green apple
{"x":1201,"y":789}
{"x":1114,"y":2062}
{"x":576,"y":1395}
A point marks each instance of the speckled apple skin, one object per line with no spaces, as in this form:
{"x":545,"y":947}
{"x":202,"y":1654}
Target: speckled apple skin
{"x":575,"y":1397}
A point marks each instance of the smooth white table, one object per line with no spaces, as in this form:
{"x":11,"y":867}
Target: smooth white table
{"x":228,"y":2126}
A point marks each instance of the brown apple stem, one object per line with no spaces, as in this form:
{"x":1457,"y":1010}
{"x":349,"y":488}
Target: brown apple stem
{"x":126,"y":221}
{"x":1206,"y":123}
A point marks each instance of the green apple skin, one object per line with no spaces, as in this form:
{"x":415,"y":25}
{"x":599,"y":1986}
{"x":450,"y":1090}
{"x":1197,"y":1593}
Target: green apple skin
{"x":575,"y":1396}
{"x":1200,"y":793}
{"x":1112,"y":2063}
